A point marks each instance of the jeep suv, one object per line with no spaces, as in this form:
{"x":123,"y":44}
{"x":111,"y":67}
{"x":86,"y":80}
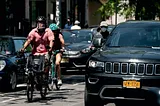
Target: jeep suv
{"x":126,"y":67}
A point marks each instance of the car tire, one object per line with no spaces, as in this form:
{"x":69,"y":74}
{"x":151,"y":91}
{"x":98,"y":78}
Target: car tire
{"x":91,"y":101}
{"x":12,"y":82}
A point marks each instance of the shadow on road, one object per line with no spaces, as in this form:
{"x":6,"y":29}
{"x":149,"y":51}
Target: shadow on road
{"x":16,"y":90}
{"x":73,"y":79}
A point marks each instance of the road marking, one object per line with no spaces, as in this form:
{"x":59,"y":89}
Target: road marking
{"x":8,"y":100}
{"x":21,"y":85}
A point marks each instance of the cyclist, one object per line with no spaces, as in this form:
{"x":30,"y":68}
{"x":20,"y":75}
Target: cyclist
{"x":58,"y":45}
{"x":39,"y":38}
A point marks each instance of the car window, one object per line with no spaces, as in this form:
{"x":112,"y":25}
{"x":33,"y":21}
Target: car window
{"x":19,"y":44}
{"x":146,"y":36}
{"x":77,"y":36}
{"x":6,"y":46}
{"x":110,"y":28}
{"x":66,"y":36}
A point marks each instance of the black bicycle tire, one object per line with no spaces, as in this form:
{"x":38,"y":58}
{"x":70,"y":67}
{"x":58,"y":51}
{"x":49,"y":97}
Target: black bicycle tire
{"x":30,"y":89}
{"x":43,"y":92}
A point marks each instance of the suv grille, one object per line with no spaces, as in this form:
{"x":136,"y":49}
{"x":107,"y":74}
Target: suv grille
{"x":132,"y":68}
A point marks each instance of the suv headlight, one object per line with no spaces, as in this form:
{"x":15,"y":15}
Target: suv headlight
{"x":95,"y":64}
{"x":86,"y":50}
{"x":2,"y":64}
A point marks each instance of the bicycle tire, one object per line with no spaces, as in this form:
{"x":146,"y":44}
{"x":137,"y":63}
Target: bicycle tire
{"x":57,"y":86}
{"x":44,"y":86}
{"x":51,"y":80}
{"x":30,"y":89}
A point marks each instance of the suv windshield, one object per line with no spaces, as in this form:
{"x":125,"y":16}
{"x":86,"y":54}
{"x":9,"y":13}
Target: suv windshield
{"x":146,"y":36}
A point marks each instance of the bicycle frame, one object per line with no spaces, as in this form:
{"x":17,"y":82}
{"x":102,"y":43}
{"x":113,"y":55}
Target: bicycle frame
{"x":36,"y":77}
{"x":53,"y":72}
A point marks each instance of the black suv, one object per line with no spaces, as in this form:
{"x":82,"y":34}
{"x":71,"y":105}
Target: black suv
{"x":127,"y":66}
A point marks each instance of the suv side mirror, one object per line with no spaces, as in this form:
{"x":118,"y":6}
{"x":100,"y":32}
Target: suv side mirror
{"x":97,"y":42}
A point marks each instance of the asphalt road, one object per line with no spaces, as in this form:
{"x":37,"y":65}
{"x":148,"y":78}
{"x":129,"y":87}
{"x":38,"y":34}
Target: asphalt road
{"x":71,"y":94}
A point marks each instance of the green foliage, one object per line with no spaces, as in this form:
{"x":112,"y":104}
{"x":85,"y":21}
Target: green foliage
{"x":107,"y":10}
{"x":127,"y":10}
{"x":142,"y":10}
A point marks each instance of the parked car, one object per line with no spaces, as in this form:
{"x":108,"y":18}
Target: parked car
{"x":126,"y":67}
{"x":79,"y":48}
{"x":11,"y":64}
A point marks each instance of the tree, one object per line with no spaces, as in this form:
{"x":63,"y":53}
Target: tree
{"x":140,"y":9}
{"x":108,"y":9}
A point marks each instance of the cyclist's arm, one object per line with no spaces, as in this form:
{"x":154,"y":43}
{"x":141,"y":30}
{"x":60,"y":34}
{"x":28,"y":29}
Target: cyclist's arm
{"x":26,"y":44}
{"x":62,"y":41}
{"x":29,"y":39}
{"x":51,"y":38}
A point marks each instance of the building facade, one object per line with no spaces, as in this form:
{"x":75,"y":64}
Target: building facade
{"x":22,"y":18}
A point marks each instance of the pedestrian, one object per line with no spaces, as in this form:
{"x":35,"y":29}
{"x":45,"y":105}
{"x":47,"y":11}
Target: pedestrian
{"x":86,"y":25}
{"x":76,"y":25}
{"x":102,"y":31}
{"x":68,"y":25}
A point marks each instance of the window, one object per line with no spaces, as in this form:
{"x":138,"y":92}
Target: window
{"x":19,"y":44}
{"x":6,"y":46}
{"x":135,"y":37}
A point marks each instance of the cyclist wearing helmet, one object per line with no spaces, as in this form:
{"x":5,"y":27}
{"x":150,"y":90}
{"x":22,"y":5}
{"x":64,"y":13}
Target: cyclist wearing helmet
{"x":58,"y":45}
{"x":39,"y":38}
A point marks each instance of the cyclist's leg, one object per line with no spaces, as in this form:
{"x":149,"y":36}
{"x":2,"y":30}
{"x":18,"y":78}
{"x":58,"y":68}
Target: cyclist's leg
{"x":47,"y":63}
{"x":58,"y":69}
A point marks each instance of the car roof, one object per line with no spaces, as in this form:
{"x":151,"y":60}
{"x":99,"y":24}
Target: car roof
{"x":12,"y":37}
{"x":138,"y":23}
{"x":86,"y":29}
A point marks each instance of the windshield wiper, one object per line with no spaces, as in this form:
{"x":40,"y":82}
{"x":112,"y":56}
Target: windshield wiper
{"x":144,"y":46}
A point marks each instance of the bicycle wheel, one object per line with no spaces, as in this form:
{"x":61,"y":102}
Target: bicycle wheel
{"x":51,"y":78}
{"x":43,"y":90}
{"x":30,"y":89}
{"x":56,"y":82}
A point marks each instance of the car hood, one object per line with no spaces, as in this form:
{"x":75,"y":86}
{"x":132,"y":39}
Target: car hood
{"x":77,"y":46}
{"x":3,"y":56}
{"x":128,"y":53}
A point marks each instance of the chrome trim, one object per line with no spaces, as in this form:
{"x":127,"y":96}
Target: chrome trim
{"x":130,"y":68}
{"x":93,"y":82}
{"x":122,"y":67}
{"x":78,"y":65}
{"x":103,"y":97}
{"x":143,"y":69}
{"x":118,"y":67}
{"x":156,"y":69}
{"x":147,"y":69}
{"x":110,"y":67}
{"x":139,"y":99}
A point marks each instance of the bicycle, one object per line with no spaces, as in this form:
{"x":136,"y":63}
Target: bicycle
{"x":53,"y":74}
{"x":36,"y":76}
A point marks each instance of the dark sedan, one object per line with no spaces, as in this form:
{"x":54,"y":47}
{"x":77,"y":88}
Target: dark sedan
{"x":126,"y":67}
{"x":11,"y":64}
{"x":79,"y":49}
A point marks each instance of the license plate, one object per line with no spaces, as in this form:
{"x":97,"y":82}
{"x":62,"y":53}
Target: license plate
{"x":131,"y":84}
{"x":65,"y":60}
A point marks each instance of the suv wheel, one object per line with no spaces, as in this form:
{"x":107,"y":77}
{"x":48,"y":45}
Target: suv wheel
{"x":91,"y":101}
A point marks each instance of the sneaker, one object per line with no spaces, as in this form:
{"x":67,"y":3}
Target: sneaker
{"x":59,"y":82}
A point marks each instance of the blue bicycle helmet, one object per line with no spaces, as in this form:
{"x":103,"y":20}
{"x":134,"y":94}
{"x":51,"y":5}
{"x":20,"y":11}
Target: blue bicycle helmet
{"x":53,"y":27}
